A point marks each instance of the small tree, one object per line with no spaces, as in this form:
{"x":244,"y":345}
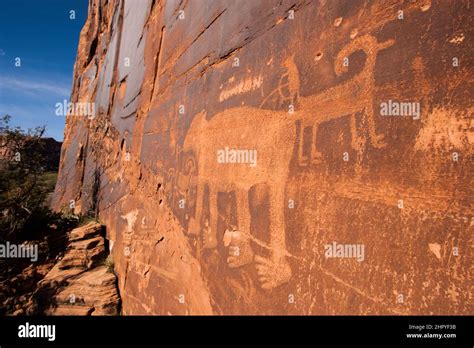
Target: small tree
{"x":22,"y":196}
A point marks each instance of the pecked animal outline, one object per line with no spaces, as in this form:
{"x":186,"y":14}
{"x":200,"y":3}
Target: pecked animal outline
{"x":238,"y":128}
{"x":347,"y":98}
{"x":274,"y":153}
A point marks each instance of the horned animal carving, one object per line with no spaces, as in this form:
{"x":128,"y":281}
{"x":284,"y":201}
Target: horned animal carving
{"x":344,"y":99}
{"x":272,"y":135}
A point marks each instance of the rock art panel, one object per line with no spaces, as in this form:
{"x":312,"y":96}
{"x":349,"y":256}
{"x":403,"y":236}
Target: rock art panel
{"x":277,"y":157}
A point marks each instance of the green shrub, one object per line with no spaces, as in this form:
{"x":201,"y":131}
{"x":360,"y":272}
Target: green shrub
{"x":23,"y":187}
{"x":109,"y":263}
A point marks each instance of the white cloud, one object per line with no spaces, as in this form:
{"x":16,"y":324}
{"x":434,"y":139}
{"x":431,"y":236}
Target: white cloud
{"x":37,"y":87}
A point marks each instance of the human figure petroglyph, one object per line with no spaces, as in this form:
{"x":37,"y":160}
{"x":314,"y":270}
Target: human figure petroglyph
{"x":288,"y":88}
{"x":344,"y":99}
{"x":242,"y":128}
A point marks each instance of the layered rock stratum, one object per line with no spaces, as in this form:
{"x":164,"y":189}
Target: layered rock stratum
{"x":74,"y":276}
{"x":277,"y":156}
{"x":80,"y":283}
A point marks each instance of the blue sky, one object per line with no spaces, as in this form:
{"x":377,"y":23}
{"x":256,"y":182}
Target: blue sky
{"x":43,"y":36}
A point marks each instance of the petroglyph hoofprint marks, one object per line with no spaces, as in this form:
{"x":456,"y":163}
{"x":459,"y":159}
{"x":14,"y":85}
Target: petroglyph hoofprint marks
{"x":275,"y":147}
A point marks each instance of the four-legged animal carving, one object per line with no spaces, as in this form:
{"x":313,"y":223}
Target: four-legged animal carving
{"x":344,"y":99}
{"x":272,"y":134}
{"x":235,"y":129}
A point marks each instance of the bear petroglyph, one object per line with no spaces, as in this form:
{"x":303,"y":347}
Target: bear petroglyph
{"x":275,"y":148}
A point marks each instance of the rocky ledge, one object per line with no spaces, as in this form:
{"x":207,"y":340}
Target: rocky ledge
{"x":82,"y":282}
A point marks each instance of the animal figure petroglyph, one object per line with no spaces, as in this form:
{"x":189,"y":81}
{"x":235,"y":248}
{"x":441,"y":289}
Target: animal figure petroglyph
{"x":236,"y":129}
{"x":344,"y":99}
{"x":273,"y":135}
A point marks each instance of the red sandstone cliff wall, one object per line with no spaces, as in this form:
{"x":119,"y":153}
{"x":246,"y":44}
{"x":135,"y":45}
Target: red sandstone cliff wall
{"x":303,"y":84}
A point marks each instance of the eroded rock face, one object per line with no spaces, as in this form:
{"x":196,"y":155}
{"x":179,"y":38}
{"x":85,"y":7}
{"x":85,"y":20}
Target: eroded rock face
{"x":80,"y":283}
{"x":277,"y":157}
